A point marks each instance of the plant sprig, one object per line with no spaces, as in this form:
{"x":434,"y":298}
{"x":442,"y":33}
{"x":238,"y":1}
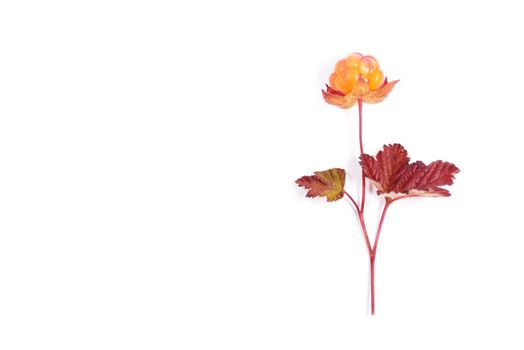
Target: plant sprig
{"x":358,"y":79}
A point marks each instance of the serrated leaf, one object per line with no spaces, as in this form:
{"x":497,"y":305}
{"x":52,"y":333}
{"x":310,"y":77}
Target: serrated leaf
{"x":329,"y":183}
{"x":394,"y":177}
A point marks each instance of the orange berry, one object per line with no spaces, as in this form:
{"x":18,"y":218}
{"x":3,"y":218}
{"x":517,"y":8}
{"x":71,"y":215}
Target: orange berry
{"x":341,"y":66}
{"x":342,"y":85}
{"x":350,"y":75}
{"x":367,"y":65}
{"x":376,"y":79}
{"x":353,"y":60}
{"x":332,"y":79}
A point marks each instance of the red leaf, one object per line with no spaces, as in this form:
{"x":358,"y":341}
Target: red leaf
{"x":394,"y":177}
{"x":329,"y":183}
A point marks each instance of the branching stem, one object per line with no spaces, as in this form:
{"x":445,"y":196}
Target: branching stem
{"x":365,"y":232}
{"x":373,"y":254}
{"x":372,"y":251}
{"x":386,"y":206}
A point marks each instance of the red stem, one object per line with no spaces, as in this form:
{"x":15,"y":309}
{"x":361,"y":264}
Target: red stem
{"x":386,"y":206}
{"x":361,"y":221}
{"x":360,"y":211}
{"x":372,"y":267}
{"x":373,"y":253}
{"x":353,"y":201}
{"x":365,"y":232}
{"x":363,"y":201}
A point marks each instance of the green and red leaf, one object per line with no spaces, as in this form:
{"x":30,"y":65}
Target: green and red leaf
{"x":329,"y":183}
{"x":394,"y":177}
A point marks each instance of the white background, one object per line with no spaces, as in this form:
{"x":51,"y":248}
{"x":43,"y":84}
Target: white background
{"x":147,"y":156}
